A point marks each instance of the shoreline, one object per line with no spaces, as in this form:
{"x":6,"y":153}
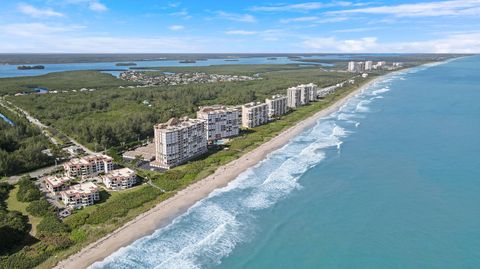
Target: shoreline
{"x":163,"y":213}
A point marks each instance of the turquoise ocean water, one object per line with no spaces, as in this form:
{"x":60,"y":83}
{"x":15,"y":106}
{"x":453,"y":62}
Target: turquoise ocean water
{"x":391,"y":180}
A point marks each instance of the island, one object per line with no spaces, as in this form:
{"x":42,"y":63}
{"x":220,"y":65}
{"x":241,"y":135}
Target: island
{"x":29,"y":67}
{"x":187,"y":61}
{"x":125,"y":64}
{"x":271,"y":58}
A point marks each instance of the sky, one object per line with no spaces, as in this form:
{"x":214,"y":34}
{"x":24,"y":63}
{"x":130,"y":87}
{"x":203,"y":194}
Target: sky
{"x":203,"y":26}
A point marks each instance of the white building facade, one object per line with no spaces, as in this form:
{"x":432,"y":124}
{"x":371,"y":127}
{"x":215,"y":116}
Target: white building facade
{"x":120,"y":179}
{"x":254,"y":114}
{"x":277,"y":106}
{"x":178,"y":141}
{"x":221,"y":121}
{"x":80,"y":195}
{"x":88,"y":166}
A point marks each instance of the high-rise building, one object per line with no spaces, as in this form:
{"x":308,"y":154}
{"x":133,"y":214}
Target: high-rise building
{"x":356,"y":66}
{"x":254,"y":114}
{"x":311,"y":91}
{"x":179,"y":140}
{"x":294,"y":97}
{"x":88,"y":166}
{"x":368,"y":65}
{"x":277,"y":106}
{"x":220,"y":121}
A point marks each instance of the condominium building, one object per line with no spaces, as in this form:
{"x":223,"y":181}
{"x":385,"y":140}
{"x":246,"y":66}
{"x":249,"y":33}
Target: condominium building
{"x":277,"y":106}
{"x":356,"y":66}
{"x":179,"y":140}
{"x":368,"y":65}
{"x":80,"y":195}
{"x":220,"y":121}
{"x":88,"y":166}
{"x":254,"y":114}
{"x":310,"y":90}
{"x":120,"y":179}
{"x":56,"y":184}
{"x":294,"y":97}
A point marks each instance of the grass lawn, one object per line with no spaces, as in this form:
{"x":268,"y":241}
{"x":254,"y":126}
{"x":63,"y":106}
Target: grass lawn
{"x":14,"y":205}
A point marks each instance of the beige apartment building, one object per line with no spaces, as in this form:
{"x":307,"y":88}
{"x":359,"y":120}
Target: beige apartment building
{"x":80,"y":195}
{"x":220,"y":121}
{"x":56,"y":184}
{"x":120,"y":179}
{"x":88,"y":166}
{"x":179,"y":140}
{"x":277,"y":106}
{"x":254,"y":114}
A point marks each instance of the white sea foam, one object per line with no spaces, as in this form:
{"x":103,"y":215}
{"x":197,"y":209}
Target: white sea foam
{"x":212,"y":228}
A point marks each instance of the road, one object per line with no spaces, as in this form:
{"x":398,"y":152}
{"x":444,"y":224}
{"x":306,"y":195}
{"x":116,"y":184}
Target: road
{"x":8,"y":105}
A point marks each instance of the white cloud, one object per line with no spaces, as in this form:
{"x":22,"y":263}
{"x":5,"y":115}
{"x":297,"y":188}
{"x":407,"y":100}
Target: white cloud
{"x":314,"y":19}
{"x":302,"y":6}
{"x":356,"y":30}
{"x":182,"y":13}
{"x":240,"y":32}
{"x":38,"y":12}
{"x":176,"y":27}
{"x":236,"y":17}
{"x":94,"y":5}
{"x":424,"y":9}
{"x":456,"y":43}
{"x":97,"y":6}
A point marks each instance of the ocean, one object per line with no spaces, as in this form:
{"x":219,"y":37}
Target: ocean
{"x":390,"y":180}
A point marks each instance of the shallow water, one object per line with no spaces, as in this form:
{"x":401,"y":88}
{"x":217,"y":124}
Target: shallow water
{"x":390,"y":180}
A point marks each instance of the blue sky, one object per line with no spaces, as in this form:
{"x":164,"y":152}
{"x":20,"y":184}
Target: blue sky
{"x":239,"y":26}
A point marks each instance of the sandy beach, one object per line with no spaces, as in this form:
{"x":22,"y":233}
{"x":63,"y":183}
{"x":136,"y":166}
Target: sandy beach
{"x":163,"y":213}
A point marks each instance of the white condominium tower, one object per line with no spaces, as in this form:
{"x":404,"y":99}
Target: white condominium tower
{"x":310,"y":90}
{"x":254,"y":114}
{"x":277,"y":106}
{"x":294,"y":97}
{"x":299,"y":95}
{"x":179,"y":140}
{"x":368,"y":65}
{"x":220,"y":121}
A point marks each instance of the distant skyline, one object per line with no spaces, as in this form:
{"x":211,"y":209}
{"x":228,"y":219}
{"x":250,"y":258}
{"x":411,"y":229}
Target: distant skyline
{"x":148,"y":26}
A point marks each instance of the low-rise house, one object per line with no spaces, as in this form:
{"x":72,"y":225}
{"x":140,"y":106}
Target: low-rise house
{"x":221,"y":121}
{"x":88,"y":166}
{"x":254,"y":114}
{"x":80,"y":195}
{"x":56,"y":184}
{"x":120,"y":179}
{"x":277,"y":106}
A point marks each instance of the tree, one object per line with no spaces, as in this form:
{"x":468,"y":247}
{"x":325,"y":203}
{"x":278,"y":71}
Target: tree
{"x":39,"y":208}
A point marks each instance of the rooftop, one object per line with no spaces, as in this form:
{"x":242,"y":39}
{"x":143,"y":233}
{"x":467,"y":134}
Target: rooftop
{"x":176,"y":124}
{"x":83,"y":188}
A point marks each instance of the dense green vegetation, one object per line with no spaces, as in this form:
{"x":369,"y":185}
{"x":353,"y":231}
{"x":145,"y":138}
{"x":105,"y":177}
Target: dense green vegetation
{"x":27,"y":191}
{"x":112,"y":116}
{"x":14,"y":226}
{"x":21,"y":146}
{"x":233,"y":69}
{"x":72,"y":80}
